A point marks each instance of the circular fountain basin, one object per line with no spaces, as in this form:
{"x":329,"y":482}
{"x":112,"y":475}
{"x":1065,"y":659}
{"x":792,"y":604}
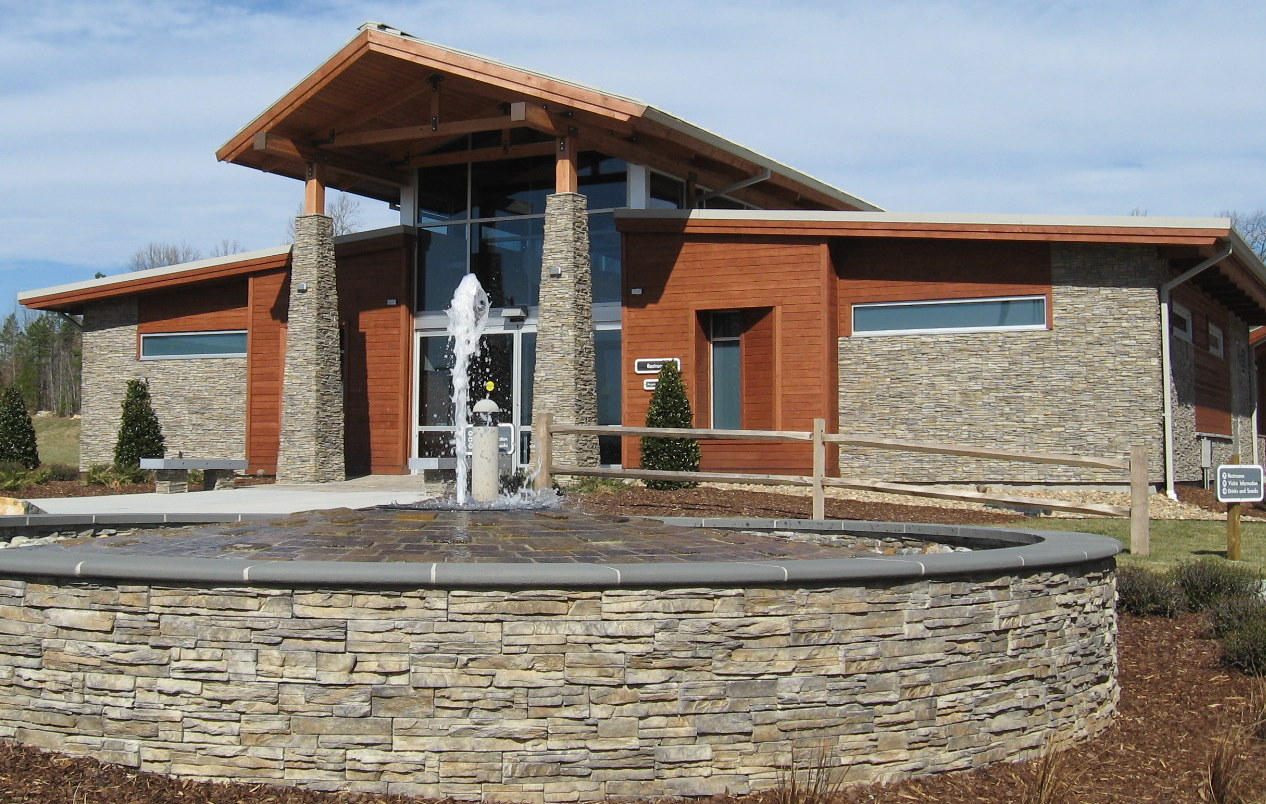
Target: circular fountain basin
{"x":549,"y":655}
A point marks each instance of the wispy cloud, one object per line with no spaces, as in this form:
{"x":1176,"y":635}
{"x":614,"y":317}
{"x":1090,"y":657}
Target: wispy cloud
{"x":113,"y":108}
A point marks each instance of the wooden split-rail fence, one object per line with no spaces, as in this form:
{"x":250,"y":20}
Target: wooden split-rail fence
{"x":1133,"y":466}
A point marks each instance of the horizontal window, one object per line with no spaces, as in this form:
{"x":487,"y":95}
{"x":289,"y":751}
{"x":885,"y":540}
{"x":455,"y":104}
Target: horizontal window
{"x":950,"y":315}
{"x":182,"y":345}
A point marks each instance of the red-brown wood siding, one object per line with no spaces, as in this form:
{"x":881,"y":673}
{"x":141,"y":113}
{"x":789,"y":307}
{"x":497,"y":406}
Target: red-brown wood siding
{"x":201,"y":308}
{"x":887,"y":270}
{"x":376,"y":372}
{"x":680,"y":281}
{"x":1212,"y":373}
{"x":269,"y":300}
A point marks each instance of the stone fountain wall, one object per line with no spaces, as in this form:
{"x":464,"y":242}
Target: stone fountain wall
{"x":558,"y":695}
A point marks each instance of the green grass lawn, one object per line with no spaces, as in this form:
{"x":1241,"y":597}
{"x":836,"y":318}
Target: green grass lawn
{"x":1173,"y":540}
{"x":58,"y":439}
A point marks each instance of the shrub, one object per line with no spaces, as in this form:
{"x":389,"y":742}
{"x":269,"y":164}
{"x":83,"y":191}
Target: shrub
{"x":600,"y":485}
{"x":140,"y":435}
{"x":115,"y":477}
{"x":62,"y":471}
{"x":17,"y":433}
{"x":1245,"y":649}
{"x":670,"y":407}
{"x":1230,"y":613}
{"x":1145,"y":593}
{"x":1206,"y":580}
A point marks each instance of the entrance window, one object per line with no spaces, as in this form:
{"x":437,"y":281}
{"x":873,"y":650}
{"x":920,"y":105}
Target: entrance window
{"x":727,"y":371}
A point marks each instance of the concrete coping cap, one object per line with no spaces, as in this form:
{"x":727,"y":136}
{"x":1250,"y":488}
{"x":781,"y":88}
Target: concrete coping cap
{"x":1000,"y":550}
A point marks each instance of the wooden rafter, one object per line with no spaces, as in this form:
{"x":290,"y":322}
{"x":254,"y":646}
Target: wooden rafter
{"x":520,"y":115}
{"x":483,"y":154}
{"x":384,"y":105}
{"x":284,"y":146}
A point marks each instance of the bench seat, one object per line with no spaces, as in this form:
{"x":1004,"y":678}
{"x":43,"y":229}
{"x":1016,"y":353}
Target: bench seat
{"x":172,"y":474}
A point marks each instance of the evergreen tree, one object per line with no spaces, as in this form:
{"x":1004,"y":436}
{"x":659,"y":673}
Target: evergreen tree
{"x":17,"y":434}
{"x":140,"y":435}
{"x":670,"y":408}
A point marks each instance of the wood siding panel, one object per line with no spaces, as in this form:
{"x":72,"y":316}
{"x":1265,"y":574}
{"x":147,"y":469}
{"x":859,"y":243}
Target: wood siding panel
{"x":680,"y":279}
{"x":1213,"y":373}
{"x":376,"y":366}
{"x":884,"y":270}
{"x":269,"y":300}
{"x":209,"y":307}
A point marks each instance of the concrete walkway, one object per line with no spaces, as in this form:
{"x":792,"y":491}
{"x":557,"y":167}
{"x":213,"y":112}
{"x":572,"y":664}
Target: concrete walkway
{"x":361,"y":492}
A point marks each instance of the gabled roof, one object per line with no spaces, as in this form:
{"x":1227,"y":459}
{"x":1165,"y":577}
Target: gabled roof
{"x":388,"y":102}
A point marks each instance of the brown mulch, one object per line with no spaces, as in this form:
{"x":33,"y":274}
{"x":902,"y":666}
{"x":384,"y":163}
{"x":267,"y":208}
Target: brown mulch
{"x":705,"y":502}
{"x":76,"y":488}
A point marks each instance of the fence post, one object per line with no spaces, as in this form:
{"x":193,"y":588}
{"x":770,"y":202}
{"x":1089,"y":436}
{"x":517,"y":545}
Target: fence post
{"x":544,"y":450}
{"x":1140,"y":537}
{"x":819,"y":468}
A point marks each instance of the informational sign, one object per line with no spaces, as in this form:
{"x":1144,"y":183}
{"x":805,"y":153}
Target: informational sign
{"x":650,"y":385}
{"x":652,"y":365}
{"x":505,"y":438}
{"x":1237,"y":483}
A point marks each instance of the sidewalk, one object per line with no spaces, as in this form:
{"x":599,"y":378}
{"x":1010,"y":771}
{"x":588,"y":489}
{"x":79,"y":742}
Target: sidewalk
{"x":361,"y":492}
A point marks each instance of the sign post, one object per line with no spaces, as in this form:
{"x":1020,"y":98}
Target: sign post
{"x":1237,"y":484}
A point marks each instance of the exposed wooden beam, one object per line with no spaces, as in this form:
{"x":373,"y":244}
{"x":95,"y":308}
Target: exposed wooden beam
{"x":521,"y":115}
{"x":285,"y":147}
{"x":483,"y":154}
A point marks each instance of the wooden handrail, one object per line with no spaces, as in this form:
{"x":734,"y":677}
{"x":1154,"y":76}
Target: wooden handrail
{"x":682,"y":432}
{"x":976,"y":452}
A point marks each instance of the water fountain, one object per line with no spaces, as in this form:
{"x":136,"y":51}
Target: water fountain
{"x":549,"y":655}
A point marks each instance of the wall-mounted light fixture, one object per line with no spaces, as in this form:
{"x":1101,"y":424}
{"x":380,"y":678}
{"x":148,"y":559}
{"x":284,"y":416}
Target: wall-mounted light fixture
{"x":302,"y":287}
{"x":514,"y":313}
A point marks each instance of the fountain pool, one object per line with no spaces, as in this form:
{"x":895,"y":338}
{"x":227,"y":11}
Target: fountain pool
{"x":551,"y":655}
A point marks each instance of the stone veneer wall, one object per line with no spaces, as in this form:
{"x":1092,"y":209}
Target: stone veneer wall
{"x":312,"y":419}
{"x":566,"y":375}
{"x":558,"y":695}
{"x":200,"y":403}
{"x":1091,"y":385}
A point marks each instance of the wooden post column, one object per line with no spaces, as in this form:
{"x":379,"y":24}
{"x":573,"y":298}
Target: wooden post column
{"x":314,"y":190}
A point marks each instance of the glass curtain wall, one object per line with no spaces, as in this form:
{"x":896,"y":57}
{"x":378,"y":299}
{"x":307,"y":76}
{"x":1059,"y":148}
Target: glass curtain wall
{"x":488,"y":219}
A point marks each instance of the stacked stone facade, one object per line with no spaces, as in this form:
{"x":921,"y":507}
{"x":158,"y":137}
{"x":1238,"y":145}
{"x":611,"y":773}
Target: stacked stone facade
{"x":200,"y":402}
{"x":1090,"y":385}
{"x":564,"y":383}
{"x":312,"y":390}
{"x":560,"y":695}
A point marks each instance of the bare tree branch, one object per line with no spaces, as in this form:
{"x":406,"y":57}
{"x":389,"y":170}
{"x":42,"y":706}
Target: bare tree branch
{"x":159,"y":255}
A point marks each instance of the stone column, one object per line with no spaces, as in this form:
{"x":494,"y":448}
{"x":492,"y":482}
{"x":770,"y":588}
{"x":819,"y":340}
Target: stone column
{"x":566,"y":377}
{"x":312,"y":391}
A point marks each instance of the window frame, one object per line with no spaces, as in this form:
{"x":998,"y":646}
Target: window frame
{"x":874,"y":333}
{"x":1178,"y":311}
{"x":1216,"y":336}
{"x":140,"y":346}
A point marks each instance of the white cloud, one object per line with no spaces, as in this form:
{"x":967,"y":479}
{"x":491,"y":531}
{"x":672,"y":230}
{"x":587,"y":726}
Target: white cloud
{"x":114,"y":108}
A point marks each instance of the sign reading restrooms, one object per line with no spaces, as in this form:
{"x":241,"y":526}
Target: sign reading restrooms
{"x":1238,"y":483}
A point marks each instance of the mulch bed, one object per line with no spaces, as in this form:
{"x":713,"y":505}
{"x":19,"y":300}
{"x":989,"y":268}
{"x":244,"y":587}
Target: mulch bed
{"x":1176,"y":703}
{"x":76,"y":488}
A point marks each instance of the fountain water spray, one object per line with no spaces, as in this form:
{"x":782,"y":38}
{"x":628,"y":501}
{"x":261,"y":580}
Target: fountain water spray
{"x":467,"y":320}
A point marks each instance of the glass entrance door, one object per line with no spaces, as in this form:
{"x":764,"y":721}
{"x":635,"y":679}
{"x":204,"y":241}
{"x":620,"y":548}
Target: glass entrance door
{"x":507,"y":361}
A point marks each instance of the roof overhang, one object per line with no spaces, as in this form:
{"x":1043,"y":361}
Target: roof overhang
{"x":388,"y":102}
{"x":1238,"y":282}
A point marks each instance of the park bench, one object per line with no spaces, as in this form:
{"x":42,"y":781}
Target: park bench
{"x":171,"y":475}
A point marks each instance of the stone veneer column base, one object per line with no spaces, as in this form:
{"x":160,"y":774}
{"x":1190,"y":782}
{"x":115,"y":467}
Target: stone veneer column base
{"x":566,"y":378}
{"x":312,"y":393}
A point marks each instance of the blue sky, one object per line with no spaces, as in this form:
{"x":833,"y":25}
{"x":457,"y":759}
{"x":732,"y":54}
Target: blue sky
{"x":112,"y":109}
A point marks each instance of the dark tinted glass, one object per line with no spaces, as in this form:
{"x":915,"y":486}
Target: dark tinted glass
{"x":435,"y":383}
{"x":603,"y":180}
{"x":200,"y":344}
{"x":666,"y":192}
{"x":441,"y":194}
{"x":441,"y":265}
{"x":604,"y":255}
{"x":511,"y":186}
{"x":606,"y":345}
{"x":984,"y":314}
{"x":508,"y":260}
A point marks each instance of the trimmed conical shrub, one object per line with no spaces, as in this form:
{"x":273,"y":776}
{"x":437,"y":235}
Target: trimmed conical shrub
{"x":140,"y":435}
{"x":670,"y":407}
{"x":17,"y":434}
